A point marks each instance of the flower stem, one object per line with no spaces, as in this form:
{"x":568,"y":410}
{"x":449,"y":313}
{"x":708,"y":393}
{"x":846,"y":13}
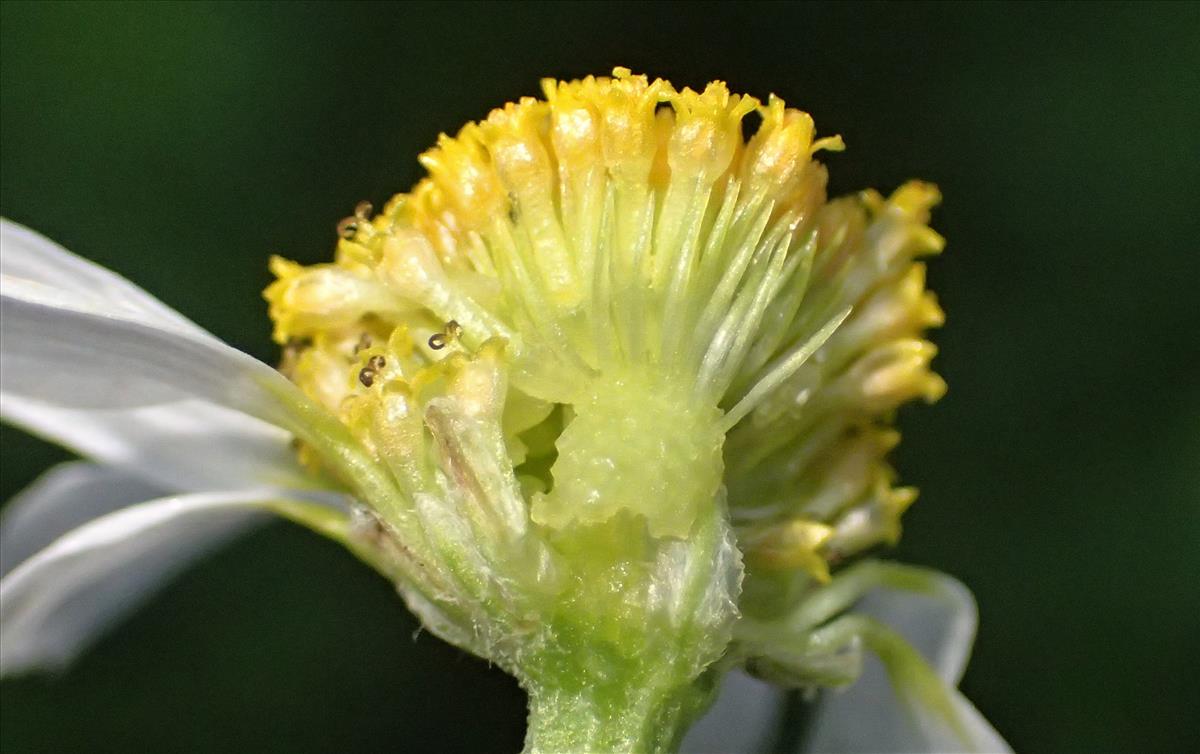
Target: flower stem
{"x":599,"y":719}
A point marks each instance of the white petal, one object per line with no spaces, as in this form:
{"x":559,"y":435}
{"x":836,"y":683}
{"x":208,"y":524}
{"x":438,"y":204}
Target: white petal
{"x":96,"y":364}
{"x":872,"y":715}
{"x":940,"y":623}
{"x":56,"y":352}
{"x":744,"y":719}
{"x":27,"y":254}
{"x":184,"y":446}
{"x":61,"y":499}
{"x":62,"y":352}
{"x":55,"y":602}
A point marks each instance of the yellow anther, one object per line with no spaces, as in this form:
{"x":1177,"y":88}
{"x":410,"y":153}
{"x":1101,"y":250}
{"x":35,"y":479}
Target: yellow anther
{"x":708,"y":130}
{"x":792,"y":544}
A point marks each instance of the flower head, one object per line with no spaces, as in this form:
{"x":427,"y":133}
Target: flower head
{"x":607,"y":396}
{"x":676,"y":307}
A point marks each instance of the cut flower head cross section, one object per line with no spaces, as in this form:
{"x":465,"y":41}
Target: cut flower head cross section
{"x":607,"y":396}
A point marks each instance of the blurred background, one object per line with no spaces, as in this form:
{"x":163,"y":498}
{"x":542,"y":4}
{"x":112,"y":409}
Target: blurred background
{"x":180,"y":144}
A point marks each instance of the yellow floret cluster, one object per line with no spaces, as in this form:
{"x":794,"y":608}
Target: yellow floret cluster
{"x":652,"y":307}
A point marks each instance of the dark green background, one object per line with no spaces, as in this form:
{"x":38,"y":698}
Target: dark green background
{"x":181,"y":144}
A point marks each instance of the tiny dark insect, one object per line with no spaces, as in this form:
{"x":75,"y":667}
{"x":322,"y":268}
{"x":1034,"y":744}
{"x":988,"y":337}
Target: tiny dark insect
{"x":375,"y":363}
{"x":347,"y":227}
{"x":437,"y":341}
{"x":366,"y":376}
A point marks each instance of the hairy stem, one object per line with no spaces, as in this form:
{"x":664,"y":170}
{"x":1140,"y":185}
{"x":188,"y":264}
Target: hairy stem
{"x":613,"y":718}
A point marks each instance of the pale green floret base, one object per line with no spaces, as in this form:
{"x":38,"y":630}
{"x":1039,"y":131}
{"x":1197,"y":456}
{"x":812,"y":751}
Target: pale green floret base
{"x":637,"y":442}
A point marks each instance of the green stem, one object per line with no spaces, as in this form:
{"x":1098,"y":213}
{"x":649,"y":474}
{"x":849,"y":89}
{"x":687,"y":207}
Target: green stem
{"x":611,"y":719}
